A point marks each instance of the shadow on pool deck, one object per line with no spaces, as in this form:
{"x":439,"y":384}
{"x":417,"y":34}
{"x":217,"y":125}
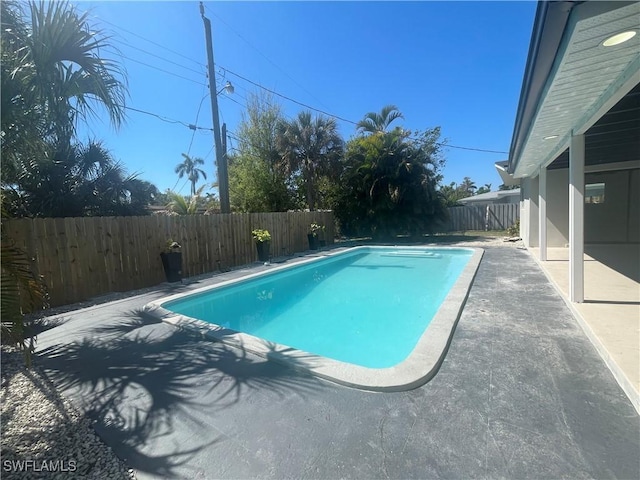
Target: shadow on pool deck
{"x":521,"y":394}
{"x":136,"y":377}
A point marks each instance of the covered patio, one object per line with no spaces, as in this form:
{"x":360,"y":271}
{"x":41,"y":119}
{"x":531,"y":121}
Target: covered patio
{"x":576,"y":153}
{"x":609,"y":313}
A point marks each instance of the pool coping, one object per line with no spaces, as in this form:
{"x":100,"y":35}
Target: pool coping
{"x":418,"y":368}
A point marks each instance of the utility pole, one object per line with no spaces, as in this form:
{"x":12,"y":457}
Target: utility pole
{"x":221,"y":160}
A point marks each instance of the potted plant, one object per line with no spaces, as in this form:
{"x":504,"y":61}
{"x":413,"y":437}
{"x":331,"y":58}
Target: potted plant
{"x":263,"y":242}
{"x":316,"y":236}
{"x":172,"y":261}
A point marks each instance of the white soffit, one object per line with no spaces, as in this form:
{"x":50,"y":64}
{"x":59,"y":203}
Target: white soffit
{"x":587,"y":79}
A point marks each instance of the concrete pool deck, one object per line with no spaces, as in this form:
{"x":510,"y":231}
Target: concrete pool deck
{"x":522,"y":393}
{"x":610,"y":314}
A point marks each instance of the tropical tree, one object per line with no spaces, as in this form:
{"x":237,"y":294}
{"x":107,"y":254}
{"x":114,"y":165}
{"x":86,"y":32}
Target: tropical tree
{"x":374,"y":122}
{"x":388,"y":185}
{"x":467,"y":187}
{"x":78,"y":180}
{"x":450,"y":194}
{"x":258,"y":178}
{"x":189,"y":167}
{"x":486,"y":188}
{"x":52,"y":77}
{"x":22,"y":292}
{"x":192,"y":205}
{"x":181,"y":205}
{"x":310,"y":147}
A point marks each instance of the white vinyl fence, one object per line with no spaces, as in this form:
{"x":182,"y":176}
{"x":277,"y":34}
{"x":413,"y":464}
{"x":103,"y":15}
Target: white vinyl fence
{"x":483,"y":217}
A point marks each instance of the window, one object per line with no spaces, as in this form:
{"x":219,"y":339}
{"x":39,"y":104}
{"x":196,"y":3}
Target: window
{"x":594,"y":193}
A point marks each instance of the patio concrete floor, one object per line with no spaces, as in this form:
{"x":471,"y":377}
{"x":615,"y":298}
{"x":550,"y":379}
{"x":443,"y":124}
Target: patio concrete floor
{"x":610,"y":314}
{"x":522,"y":393}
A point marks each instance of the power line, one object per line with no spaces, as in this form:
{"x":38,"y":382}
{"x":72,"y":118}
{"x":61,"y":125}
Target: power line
{"x":163,"y":70}
{"x":166,"y":119}
{"x":262,"y":54}
{"x":287,"y":98}
{"x":164,"y":47}
{"x":470,"y":148}
{"x":253,"y":83}
{"x":157,"y":56}
{"x":346,"y":120}
{"x":196,"y":123}
{"x":196,"y":127}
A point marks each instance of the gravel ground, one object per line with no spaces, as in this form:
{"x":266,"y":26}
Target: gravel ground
{"x":38,"y":425}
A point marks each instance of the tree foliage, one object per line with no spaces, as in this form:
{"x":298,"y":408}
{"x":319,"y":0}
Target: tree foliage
{"x":388,"y":184}
{"x":22,"y":291}
{"x":311,"y":148}
{"x":453,"y":192}
{"x":374,"y":122}
{"x":486,"y":188}
{"x":189,"y":168}
{"x":53,"y":76}
{"x":258,"y":177}
{"x":77,"y":180}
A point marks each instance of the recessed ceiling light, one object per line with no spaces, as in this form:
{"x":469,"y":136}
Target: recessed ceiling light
{"x":619,"y":38}
{"x":550,"y":137}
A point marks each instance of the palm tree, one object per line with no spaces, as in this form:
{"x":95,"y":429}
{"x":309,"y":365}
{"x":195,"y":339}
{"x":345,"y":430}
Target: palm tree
{"x":486,"y":188}
{"x":52,"y":77}
{"x":388,"y":186}
{"x":379,"y":122}
{"x":467,"y":187}
{"x":310,"y":146}
{"x":22,"y":291}
{"x":80,"y":180}
{"x":52,"y":68}
{"x":189,"y":167}
{"x":69,"y":75}
{"x":181,"y":205}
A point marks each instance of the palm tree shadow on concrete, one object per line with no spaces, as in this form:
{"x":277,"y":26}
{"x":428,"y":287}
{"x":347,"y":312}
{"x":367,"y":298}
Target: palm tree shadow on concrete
{"x":136,"y":377}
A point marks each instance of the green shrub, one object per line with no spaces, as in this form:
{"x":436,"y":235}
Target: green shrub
{"x":260,"y":235}
{"x":514,"y":230}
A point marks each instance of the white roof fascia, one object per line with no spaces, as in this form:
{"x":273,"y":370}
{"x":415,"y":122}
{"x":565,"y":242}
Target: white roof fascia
{"x":617,"y":83}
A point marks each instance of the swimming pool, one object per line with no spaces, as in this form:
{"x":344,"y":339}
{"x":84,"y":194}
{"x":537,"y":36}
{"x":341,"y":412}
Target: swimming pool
{"x":366,"y":316}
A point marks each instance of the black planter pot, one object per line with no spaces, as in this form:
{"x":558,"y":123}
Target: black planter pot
{"x":172,"y":264}
{"x":263,"y":251}
{"x":314,"y":243}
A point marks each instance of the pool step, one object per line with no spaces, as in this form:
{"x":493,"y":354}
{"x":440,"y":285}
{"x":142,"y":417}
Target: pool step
{"x":412,"y":254}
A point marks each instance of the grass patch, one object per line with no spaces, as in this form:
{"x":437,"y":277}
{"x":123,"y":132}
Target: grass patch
{"x":478,"y":233}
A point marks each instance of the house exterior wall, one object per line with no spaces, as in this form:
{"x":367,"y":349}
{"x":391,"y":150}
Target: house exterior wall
{"x":617,"y":219}
{"x":558,"y":207}
{"x":634,"y":203}
{"x":529,"y":211}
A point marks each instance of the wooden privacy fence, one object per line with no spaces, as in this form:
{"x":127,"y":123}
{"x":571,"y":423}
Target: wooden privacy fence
{"x":80,"y":258}
{"x":483,"y":217}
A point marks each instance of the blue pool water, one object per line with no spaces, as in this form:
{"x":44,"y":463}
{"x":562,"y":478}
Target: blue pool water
{"x":368,"y":306}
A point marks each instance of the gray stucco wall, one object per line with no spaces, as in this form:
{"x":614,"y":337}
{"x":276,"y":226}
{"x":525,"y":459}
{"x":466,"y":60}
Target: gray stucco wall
{"x":558,"y":208}
{"x":617,"y":220}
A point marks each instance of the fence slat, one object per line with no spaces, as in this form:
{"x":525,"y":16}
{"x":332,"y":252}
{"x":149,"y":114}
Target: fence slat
{"x":80,"y":258}
{"x":482,"y":217}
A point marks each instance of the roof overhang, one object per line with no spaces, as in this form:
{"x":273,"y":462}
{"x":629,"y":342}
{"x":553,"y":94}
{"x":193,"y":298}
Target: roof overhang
{"x":571,"y":79}
{"x":505,"y":176}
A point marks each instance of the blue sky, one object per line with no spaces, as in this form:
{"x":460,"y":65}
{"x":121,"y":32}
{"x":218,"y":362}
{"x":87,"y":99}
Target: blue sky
{"x":457,"y":65}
